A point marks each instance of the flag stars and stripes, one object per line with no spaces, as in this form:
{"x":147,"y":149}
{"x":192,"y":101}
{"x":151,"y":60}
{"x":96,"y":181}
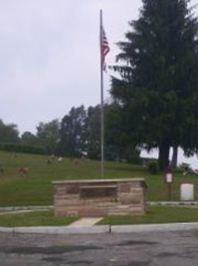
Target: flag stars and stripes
{"x":104,"y":48}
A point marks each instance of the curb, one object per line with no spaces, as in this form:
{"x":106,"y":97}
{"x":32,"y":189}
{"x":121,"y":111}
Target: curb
{"x":174,"y":227}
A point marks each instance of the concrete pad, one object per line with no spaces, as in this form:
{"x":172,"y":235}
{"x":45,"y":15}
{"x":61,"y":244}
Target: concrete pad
{"x":85,"y":222}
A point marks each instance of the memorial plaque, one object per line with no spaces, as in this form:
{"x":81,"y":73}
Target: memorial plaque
{"x":98,"y":191}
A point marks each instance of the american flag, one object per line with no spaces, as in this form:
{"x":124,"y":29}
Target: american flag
{"x":104,"y":49}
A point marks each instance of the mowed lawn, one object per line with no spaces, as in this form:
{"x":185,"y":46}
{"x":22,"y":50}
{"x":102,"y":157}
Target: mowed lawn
{"x":42,"y":218}
{"x":156,"y":215}
{"x":36,"y":188}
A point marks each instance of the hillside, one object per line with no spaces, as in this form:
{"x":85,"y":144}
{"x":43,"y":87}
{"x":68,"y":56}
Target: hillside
{"x":36,"y":187}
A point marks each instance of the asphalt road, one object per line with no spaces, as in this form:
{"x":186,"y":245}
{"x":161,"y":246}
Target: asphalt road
{"x":131,"y":249}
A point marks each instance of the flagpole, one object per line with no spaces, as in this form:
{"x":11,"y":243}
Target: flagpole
{"x":102,"y":98}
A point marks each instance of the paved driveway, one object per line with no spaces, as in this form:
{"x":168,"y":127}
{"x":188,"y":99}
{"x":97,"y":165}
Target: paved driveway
{"x":131,"y":249}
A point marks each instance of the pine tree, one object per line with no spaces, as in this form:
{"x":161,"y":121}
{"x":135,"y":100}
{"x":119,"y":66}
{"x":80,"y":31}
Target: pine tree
{"x":158,"y":84}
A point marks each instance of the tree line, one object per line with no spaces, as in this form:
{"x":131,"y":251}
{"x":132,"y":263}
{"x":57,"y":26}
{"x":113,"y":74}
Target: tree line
{"x":76,"y":135}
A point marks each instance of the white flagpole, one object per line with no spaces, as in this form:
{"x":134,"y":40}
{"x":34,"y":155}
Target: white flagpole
{"x":102,"y":99}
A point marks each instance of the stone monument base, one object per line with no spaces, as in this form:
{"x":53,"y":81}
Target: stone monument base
{"x":96,"y":198}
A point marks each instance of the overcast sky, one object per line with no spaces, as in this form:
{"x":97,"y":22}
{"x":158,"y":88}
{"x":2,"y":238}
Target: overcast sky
{"x":49,"y":55}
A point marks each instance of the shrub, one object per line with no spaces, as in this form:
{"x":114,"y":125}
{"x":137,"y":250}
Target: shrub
{"x":12,"y":147}
{"x":153,"y":167}
{"x":135,"y":160}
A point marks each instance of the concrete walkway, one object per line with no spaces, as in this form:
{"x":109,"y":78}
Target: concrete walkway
{"x":21,"y":208}
{"x":16,"y":212}
{"x":173,"y":203}
{"x":85,"y":222}
{"x":101,"y":229}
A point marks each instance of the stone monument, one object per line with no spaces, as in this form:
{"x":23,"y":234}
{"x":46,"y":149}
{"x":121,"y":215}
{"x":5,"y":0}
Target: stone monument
{"x":96,"y":198}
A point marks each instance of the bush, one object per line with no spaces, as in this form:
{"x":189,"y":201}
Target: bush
{"x":12,"y":147}
{"x":135,"y":160}
{"x":153,"y":167}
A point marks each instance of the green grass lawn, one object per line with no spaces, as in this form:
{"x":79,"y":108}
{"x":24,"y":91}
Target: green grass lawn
{"x":37,"y":189}
{"x":156,"y":215}
{"x":44,"y":218}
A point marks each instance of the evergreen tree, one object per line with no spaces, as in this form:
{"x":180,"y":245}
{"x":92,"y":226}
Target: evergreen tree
{"x":158,"y":85}
{"x":118,"y":143}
